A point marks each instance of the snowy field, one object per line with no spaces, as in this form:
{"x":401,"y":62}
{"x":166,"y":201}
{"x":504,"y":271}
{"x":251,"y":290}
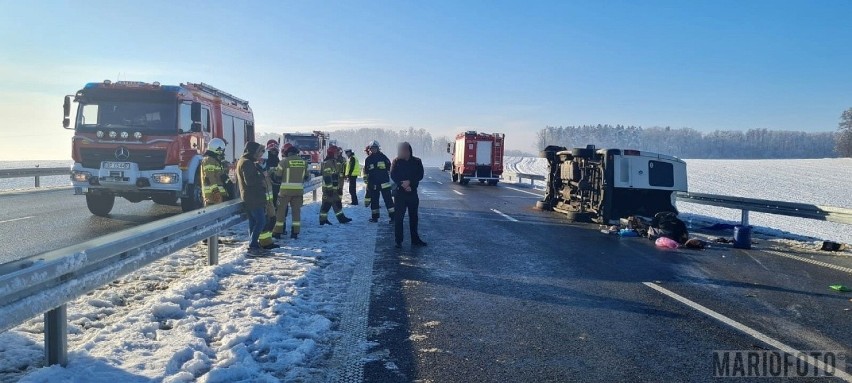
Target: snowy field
{"x":247,"y":319}
{"x":13,"y":184}
{"x":820,"y":181}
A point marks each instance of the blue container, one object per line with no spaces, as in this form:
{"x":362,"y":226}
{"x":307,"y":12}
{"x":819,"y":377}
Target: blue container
{"x":742,"y":237}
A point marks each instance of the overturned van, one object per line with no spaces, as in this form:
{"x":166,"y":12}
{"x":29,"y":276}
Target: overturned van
{"x":604,"y":185}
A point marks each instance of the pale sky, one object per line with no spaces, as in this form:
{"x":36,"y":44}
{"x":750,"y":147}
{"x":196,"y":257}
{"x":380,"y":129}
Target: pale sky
{"x":446,"y":66}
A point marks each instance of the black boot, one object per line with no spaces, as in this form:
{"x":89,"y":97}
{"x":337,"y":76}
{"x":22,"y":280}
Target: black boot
{"x":294,"y":235}
{"x":325,"y":222}
{"x":344,"y":219}
{"x":374,"y":219}
{"x":418,"y":242}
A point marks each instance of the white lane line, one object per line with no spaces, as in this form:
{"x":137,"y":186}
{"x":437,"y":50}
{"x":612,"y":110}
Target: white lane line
{"x":523,"y":191}
{"x":16,"y":219}
{"x":743,"y":328}
{"x":457,"y":192}
{"x":439,"y":182}
{"x":504,"y":215}
{"x":812,"y":261}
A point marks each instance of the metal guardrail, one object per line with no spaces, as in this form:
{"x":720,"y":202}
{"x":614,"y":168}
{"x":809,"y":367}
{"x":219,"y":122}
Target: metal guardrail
{"x":45,"y":283}
{"x":745,"y":205}
{"x":34,"y":172}
{"x":512,"y":176}
{"x":790,"y":209}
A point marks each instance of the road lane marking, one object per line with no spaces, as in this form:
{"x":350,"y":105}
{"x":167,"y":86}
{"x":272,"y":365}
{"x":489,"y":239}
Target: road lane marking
{"x":743,"y":328}
{"x":457,"y":192}
{"x":523,"y":191}
{"x":811,"y":261}
{"x":16,"y":219}
{"x":504,"y":215}
{"x":439,"y":182}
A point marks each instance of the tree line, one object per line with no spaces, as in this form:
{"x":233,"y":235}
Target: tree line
{"x":690,"y":143}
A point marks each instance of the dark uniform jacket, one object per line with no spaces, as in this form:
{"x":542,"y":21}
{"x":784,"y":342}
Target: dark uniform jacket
{"x":376,"y":168}
{"x":251,"y":181}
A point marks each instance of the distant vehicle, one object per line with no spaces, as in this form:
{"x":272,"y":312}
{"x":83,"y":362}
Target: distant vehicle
{"x":312,"y":147}
{"x":144,"y":141}
{"x":448,"y":165}
{"x":477,"y":156}
{"x":604,"y":185}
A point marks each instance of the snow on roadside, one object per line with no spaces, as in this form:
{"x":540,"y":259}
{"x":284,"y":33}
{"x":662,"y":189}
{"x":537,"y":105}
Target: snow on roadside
{"x":247,"y":319}
{"x":819,"y":181}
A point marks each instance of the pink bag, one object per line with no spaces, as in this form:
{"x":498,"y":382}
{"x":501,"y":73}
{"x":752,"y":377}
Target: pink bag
{"x":666,"y":243}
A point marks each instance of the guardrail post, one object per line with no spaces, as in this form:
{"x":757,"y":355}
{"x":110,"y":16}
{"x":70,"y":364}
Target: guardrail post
{"x":213,"y":250}
{"x":37,"y":181}
{"x":744,"y":220}
{"x":532,"y":182}
{"x":56,"y":336}
{"x":314,"y":193}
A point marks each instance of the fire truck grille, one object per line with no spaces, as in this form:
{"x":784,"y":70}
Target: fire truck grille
{"x":145,"y":159}
{"x":306,"y":157}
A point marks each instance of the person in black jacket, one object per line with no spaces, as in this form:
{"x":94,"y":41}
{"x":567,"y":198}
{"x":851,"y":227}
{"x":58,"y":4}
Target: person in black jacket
{"x":376,"y":168}
{"x":406,"y":172}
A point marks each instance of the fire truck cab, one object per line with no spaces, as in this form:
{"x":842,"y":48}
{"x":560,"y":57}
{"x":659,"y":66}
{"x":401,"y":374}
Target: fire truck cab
{"x":312,"y":147}
{"x":145,"y":141}
{"x":477,"y":156}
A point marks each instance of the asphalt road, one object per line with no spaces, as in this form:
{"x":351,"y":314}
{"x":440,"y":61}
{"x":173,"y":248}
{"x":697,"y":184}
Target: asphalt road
{"x":34,"y":222}
{"x":507,"y":293}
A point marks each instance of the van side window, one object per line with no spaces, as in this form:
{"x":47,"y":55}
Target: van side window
{"x":660,"y":174}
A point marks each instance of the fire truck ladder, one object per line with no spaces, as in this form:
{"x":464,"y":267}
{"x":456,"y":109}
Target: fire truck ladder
{"x":219,"y":93}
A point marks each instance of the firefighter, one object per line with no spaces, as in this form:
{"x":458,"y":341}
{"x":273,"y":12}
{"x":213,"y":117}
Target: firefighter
{"x":376,"y":167}
{"x":331,"y":182}
{"x":265,"y":238}
{"x":271,"y":163}
{"x":367,"y":198}
{"x":292,"y":171}
{"x":253,"y":192}
{"x":341,"y":167}
{"x":350,"y":172}
{"x":215,"y":182}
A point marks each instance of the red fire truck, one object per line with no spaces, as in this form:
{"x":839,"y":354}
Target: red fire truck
{"x":312,"y":147}
{"x":477,"y":156}
{"x":144,"y":141}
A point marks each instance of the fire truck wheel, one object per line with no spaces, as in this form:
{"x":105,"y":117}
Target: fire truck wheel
{"x":492,"y":182}
{"x":100,"y":204}
{"x":455,"y":177}
{"x":462,"y":180}
{"x":193,"y":201}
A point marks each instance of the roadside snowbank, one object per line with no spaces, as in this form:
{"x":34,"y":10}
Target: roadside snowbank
{"x":247,"y":319}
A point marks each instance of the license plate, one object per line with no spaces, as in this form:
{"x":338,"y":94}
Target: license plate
{"x":117,"y":165}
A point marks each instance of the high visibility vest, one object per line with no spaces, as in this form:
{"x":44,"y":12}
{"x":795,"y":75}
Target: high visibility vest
{"x":353,"y":167}
{"x":291,"y":171}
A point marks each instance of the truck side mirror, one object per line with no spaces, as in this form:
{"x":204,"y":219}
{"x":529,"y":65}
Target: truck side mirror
{"x":449,"y":146}
{"x":66,"y":112}
{"x":195,"y":116}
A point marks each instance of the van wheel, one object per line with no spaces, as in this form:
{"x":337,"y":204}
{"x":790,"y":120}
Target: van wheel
{"x":583,"y":217}
{"x":583,"y":153}
{"x":100,"y":204}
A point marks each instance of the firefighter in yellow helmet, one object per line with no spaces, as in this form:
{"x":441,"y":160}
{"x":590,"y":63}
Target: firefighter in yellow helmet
{"x":292,"y":171}
{"x":215,"y":183}
{"x":331,"y":183}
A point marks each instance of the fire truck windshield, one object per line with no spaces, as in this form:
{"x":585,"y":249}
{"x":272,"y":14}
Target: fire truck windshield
{"x":303,"y":142}
{"x":140,"y":115}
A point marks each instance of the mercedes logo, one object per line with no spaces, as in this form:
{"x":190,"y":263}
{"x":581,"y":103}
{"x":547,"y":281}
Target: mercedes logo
{"x":122,"y":153}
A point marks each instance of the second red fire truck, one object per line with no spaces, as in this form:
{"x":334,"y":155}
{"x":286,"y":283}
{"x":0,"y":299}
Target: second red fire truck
{"x":477,"y":156}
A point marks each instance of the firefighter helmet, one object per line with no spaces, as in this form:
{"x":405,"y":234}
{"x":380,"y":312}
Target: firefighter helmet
{"x":272,"y":145}
{"x":332,"y":151}
{"x":288,"y":148}
{"x":374,"y":144}
{"x":217,"y":145}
